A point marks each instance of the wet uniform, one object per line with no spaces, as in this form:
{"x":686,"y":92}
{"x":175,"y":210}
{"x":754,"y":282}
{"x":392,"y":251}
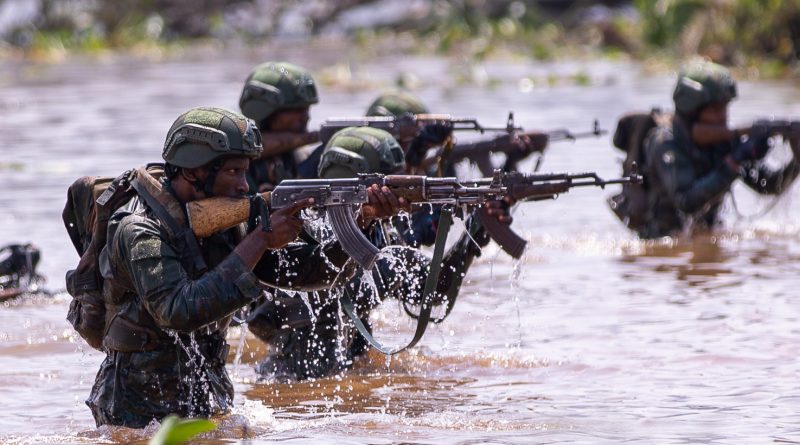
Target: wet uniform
{"x":167,"y":316}
{"x":312,"y":349}
{"x":686,"y":184}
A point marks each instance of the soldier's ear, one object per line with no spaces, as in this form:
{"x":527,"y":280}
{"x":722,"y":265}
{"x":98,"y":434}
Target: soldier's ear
{"x":194,"y":174}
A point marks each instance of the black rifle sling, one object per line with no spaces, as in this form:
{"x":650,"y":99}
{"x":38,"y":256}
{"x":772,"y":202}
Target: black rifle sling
{"x":445,"y":221}
{"x":182,"y":235}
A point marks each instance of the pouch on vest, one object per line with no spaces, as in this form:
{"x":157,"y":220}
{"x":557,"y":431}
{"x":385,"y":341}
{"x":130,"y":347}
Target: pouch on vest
{"x":631,"y":204}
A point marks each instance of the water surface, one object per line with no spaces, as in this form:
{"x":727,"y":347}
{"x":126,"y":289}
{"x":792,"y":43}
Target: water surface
{"x":594,"y":337}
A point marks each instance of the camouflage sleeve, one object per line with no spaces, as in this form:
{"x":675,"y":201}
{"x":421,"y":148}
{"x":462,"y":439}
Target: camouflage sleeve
{"x":771,"y":182}
{"x":173,"y":299}
{"x":687,"y":191}
{"x":304,"y":266}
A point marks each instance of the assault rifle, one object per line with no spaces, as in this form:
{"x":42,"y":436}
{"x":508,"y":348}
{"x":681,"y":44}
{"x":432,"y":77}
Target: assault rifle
{"x":787,"y":129}
{"x":340,"y":197}
{"x":562,"y":134}
{"x":407,"y":126}
{"x":707,"y":134}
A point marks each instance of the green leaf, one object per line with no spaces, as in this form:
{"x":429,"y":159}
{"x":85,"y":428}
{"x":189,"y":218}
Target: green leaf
{"x":175,"y":431}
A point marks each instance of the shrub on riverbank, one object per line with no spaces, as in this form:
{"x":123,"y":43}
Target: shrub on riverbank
{"x":754,"y":33}
{"x":763,"y":34}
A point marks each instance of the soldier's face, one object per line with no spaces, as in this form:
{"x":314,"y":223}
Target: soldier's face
{"x":231,"y":179}
{"x":293,"y":120}
{"x":714,"y":114}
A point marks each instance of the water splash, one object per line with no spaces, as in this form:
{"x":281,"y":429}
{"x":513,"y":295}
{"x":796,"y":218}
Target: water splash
{"x":199,"y":387}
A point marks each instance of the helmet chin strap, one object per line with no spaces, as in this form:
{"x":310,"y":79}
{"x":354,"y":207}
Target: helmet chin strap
{"x":212,"y":178}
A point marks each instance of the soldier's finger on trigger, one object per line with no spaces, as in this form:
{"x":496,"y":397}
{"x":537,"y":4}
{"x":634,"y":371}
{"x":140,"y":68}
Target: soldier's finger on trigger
{"x":300,"y":205}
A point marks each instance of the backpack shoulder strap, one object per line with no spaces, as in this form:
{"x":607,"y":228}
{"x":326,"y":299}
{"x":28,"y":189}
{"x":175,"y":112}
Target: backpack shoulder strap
{"x":168,"y":210}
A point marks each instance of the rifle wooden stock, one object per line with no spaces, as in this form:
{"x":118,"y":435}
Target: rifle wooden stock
{"x":707,"y":134}
{"x":212,"y":215}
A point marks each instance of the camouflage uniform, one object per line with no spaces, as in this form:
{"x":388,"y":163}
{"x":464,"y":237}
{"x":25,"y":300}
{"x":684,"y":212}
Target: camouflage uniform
{"x":168,"y":309}
{"x":687,"y":183}
{"x":305,"y":350}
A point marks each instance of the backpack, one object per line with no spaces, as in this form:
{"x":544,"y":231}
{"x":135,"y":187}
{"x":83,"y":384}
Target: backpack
{"x":91,"y":201}
{"x":631,"y":205}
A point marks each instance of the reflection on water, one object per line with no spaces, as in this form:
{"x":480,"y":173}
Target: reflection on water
{"x":595,"y":337}
{"x":389,"y":393}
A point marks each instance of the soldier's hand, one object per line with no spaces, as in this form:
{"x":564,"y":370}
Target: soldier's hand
{"x":518,"y":146}
{"x":501,"y":209}
{"x":436,"y":133}
{"x":381,"y":203}
{"x":760,"y":136}
{"x":286,"y":225}
{"x":534,"y":141}
{"x":429,"y":136}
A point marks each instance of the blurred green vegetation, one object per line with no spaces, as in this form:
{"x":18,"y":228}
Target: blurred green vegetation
{"x":762,"y":34}
{"x":177,"y":431}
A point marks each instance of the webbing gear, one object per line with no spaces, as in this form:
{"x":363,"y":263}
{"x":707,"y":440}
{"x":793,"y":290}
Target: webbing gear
{"x":445,"y":221}
{"x":145,"y":186}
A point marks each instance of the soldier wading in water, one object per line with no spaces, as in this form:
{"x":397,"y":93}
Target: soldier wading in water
{"x":169,"y":301}
{"x":690,"y":161}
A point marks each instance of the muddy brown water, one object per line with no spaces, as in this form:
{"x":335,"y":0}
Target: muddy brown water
{"x":595,"y":337}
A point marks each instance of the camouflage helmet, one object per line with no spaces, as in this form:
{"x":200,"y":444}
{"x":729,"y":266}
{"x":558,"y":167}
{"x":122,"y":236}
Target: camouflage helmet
{"x":701,"y":83}
{"x":275,"y":86}
{"x":355,"y":150}
{"x":396,"y":104}
{"x":202,"y":135}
